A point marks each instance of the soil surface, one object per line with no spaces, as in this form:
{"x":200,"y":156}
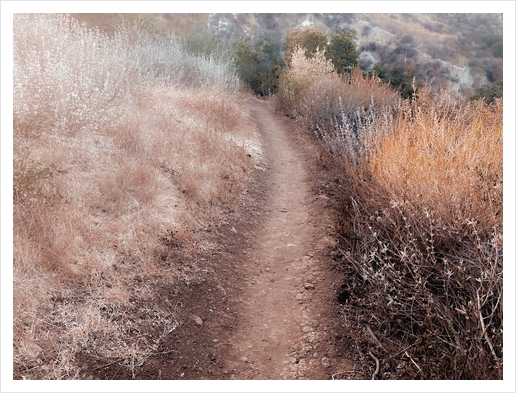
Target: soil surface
{"x":281,"y":306}
{"x":267,"y":307}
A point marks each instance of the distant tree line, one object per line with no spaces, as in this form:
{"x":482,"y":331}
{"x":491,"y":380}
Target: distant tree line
{"x":260,"y":62}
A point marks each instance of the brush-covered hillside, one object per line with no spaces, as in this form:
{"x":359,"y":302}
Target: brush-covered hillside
{"x":462,"y":52}
{"x":136,"y":138}
{"x":418,"y":190}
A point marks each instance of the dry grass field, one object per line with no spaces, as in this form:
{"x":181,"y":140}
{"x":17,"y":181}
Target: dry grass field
{"x":117,"y":153}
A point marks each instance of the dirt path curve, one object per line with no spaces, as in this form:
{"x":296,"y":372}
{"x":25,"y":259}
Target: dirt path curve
{"x":280,"y":335}
{"x":263,"y":304}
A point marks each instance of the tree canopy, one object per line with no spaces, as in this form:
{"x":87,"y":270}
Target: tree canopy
{"x":258,"y":65}
{"x":343,"y":52}
{"x":309,"y":38}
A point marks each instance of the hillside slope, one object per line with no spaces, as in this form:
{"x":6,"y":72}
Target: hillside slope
{"x":461,"y":51}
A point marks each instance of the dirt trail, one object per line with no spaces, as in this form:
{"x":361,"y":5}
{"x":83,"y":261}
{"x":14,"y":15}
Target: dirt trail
{"x":281,"y":332}
{"x":264,"y":303}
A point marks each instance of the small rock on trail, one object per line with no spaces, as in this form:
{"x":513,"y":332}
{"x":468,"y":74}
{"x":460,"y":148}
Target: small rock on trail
{"x":197,"y":320}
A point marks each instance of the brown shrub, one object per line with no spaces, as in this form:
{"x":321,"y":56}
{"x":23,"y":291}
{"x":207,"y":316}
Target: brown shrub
{"x":425,"y":235}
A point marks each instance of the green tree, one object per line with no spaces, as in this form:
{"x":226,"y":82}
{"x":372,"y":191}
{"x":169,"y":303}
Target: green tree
{"x":246,"y":60}
{"x":343,"y":52}
{"x":399,"y":77}
{"x":408,"y":82}
{"x":259,"y":65}
{"x":309,"y":38}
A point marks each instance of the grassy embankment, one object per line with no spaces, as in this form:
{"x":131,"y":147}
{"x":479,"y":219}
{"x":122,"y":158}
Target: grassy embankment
{"x":419,"y":189}
{"x":124,"y":147}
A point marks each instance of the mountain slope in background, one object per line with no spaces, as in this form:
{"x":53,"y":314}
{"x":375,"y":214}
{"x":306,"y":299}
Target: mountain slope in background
{"x":460,"y":51}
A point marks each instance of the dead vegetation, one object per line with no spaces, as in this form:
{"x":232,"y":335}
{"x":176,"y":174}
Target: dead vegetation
{"x":424,"y":242}
{"x":418,"y":189}
{"x":117,"y":166}
{"x":125,"y":148}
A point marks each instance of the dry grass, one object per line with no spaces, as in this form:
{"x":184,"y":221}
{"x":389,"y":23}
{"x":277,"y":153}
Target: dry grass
{"x":438,"y":153}
{"x":115,"y":167}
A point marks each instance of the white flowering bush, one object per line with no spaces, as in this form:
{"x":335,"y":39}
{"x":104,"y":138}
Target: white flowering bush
{"x":63,"y":77}
{"x":67,"y":76}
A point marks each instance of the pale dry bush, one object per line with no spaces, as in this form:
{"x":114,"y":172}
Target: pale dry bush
{"x":63,"y":80}
{"x":151,"y":54}
{"x":341,"y":110}
{"x":425,"y":228}
{"x":116,"y":163}
{"x":300,"y":74}
{"x":69,"y":77}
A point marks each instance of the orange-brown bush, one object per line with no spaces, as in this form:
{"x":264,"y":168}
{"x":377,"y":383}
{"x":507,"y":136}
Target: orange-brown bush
{"x":113,"y":162}
{"x":424,"y":227}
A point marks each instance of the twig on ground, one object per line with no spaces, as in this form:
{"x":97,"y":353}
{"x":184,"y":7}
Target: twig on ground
{"x":465,"y":362}
{"x":162,"y":352}
{"x":105,"y":365}
{"x":120,"y":366}
{"x":32,"y":368}
{"x":377,"y":365}
{"x":484,"y":330}
{"x":403,"y":350}
{"x":412,"y":360}
{"x":375,"y":340}
{"x":132,"y":366}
